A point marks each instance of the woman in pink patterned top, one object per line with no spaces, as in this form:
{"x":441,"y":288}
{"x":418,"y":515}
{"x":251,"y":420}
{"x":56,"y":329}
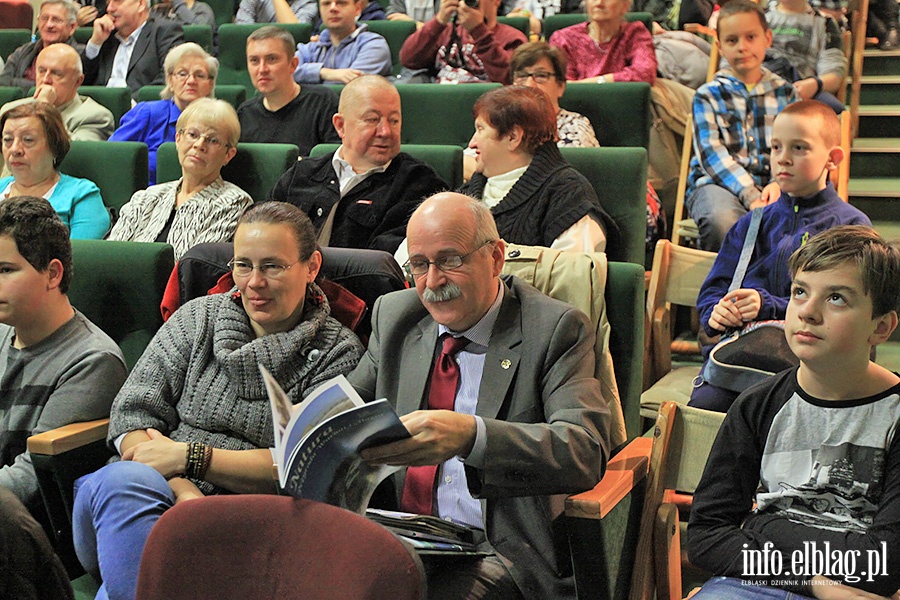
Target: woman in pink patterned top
{"x":607,"y":48}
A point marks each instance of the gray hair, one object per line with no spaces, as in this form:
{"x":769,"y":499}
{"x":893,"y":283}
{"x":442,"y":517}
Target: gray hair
{"x":217,"y":114}
{"x":189,"y":50}
{"x":485,"y":226}
{"x":71,"y":8}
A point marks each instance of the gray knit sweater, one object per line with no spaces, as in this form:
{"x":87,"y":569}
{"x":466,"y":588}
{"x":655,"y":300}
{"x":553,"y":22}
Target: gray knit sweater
{"x":198,"y":380}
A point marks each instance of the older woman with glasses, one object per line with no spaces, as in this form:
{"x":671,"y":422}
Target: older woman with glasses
{"x":193,"y":418}
{"x":540,"y":65}
{"x":536,"y":197}
{"x":35,"y":142}
{"x":190,"y":74}
{"x":201,"y":206}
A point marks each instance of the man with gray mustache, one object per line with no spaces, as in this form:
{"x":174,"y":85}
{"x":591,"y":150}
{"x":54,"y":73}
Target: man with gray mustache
{"x":494,"y":382}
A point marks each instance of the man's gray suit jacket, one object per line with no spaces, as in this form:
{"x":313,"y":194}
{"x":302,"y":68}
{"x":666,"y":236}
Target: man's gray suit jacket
{"x":545,"y":419}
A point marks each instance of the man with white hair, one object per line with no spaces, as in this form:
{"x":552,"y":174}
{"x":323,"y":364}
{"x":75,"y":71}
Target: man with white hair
{"x":58,"y":73}
{"x":56,"y":25}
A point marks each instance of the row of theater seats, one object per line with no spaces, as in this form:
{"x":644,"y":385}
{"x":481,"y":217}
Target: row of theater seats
{"x":230,"y":39}
{"x":619,"y":175}
{"x":619,"y":112}
{"x":131,"y":277}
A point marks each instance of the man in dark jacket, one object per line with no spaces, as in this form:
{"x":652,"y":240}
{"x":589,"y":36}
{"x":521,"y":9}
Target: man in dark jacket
{"x":127,"y":49}
{"x":361,"y":195}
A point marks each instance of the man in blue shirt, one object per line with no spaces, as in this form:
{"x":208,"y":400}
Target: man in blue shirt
{"x":344,"y":50}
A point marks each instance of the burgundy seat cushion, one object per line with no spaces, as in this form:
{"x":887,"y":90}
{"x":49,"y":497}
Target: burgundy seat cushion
{"x":261,"y":547}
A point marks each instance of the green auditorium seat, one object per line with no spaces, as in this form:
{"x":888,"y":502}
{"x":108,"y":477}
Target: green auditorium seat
{"x":619,"y":177}
{"x":520,"y":23}
{"x":118,"y":168}
{"x":233,"y":94}
{"x":8,"y":93}
{"x":446,"y":160}
{"x":117,"y":100}
{"x":619,"y":112}
{"x":554,"y":22}
{"x":395,"y":32}
{"x":201,"y":35}
{"x":10,"y":39}
{"x":256,"y":168}
{"x":233,"y":49}
{"x":440,"y":114}
{"x":83,"y":34}
{"x":224,"y":10}
{"x":119,"y":287}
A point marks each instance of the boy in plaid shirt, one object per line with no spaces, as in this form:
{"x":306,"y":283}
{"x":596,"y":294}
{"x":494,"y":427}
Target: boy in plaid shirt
{"x":733,"y":116}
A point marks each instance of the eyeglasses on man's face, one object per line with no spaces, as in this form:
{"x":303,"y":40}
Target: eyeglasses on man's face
{"x":416,"y":267}
{"x":193,"y":136}
{"x":269,"y":270}
{"x":539,"y":77}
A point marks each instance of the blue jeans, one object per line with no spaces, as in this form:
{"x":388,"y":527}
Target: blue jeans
{"x":714,"y":209}
{"x":729,"y":588}
{"x":115,"y":509}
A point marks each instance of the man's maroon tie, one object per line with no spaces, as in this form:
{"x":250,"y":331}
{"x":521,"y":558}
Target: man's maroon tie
{"x":418,"y":490}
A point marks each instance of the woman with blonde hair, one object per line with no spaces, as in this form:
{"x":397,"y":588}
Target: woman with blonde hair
{"x":190,"y":74}
{"x":200,"y":206}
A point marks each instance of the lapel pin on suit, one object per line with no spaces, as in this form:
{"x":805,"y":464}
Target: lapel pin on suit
{"x":505,"y":363}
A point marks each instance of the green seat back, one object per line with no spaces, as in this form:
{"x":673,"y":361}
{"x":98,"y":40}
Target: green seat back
{"x":10,"y":39}
{"x":223,"y":9}
{"x":395,"y":32}
{"x":256,"y":168}
{"x":83,"y":34}
{"x":619,"y":112}
{"x":559,"y":21}
{"x":619,"y":177}
{"x":149,"y":93}
{"x":521,"y":23}
{"x":447,"y":161}
{"x":118,"y":168}
{"x":119,"y":287}
{"x":232,"y":94}
{"x":440,"y":114}
{"x":8,"y":93}
{"x":233,"y":49}
{"x":201,"y":35}
{"x":117,"y":100}
{"x":624,"y":310}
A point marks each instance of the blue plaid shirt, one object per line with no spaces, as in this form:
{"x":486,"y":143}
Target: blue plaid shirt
{"x":733,"y":132}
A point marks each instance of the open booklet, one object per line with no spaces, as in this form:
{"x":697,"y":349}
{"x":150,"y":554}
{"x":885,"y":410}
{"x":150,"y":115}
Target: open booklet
{"x":317,"y":442}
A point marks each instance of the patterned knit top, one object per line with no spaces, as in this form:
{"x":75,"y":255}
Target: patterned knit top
{"x":199,"y":381}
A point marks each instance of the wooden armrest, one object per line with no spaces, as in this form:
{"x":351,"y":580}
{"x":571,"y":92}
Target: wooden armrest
{"x":68,"y":437}
{"x":680,"y":501}
{"x":667,"y":552}
{"x":624,"y":470}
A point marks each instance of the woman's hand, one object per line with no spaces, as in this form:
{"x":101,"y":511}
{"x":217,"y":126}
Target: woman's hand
{"x":163,"y":454}
{"x":184,"y":489}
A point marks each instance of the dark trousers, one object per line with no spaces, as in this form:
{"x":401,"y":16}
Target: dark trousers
{"x":29,"y":568}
